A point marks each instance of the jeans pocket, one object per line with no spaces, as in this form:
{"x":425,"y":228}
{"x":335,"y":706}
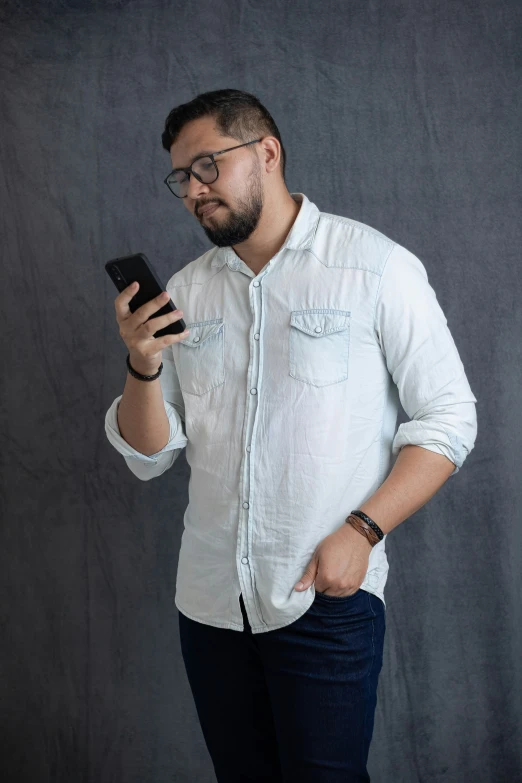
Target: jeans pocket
{"x":201,"y":357}
{"x":319,"y":343}
{"x":327,"y":597}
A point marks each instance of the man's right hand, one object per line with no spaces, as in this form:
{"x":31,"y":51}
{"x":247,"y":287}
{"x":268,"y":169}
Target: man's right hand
{"x":137,"y":331}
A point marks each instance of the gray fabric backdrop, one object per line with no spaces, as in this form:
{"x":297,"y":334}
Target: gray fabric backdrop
{"x":403,"y":115}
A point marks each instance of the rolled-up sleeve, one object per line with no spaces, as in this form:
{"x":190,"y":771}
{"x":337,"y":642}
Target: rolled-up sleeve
{"x":148,"y":467}
{"x":424,"y":362}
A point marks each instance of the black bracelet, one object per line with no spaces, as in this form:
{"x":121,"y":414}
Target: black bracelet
{"x":141,"y":377}
{"x":369,"y":522}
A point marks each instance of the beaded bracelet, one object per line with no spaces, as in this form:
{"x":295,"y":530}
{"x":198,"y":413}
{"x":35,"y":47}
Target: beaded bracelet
{"x":141,"y":377}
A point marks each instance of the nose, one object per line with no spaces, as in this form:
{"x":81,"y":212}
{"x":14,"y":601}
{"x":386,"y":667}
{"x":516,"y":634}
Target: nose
{"x":197,"y":190}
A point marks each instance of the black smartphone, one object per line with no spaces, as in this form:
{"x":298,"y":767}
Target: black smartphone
{"x":128,"y":269}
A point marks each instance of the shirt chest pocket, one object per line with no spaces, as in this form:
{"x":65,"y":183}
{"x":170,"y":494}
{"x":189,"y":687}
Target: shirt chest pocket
{"x":201,"y":358}
{"x":319,"y":346}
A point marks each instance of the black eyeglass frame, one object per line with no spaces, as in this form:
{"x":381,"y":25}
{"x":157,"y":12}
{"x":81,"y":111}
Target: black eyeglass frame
{"x":189,"y":170}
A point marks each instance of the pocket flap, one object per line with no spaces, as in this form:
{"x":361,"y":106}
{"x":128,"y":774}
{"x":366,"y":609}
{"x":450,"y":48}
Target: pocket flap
{"x":201,"y":331}
{"x":317,"y":323}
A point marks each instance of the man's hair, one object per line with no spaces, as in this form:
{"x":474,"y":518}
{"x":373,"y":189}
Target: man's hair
{"x":237,"y":114}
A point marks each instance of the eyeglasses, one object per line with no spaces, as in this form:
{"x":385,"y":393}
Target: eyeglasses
{"x":204,"y":169}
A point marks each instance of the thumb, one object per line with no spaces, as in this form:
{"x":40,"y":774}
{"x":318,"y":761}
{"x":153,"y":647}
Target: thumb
{"x":308,"y":576}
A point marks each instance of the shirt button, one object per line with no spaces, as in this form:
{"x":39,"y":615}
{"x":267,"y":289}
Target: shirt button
{"x":318,"y":329}
{"x":256,"y":336}
{"x":244,"y":559}
{"x":253,"y":391}
{"x":196,"y":339}
{"x":248,"y":448}
{"x":245,"y":504}
{"x":256,"y":283}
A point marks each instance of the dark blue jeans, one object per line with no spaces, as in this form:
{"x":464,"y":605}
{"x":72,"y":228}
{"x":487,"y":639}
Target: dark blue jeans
{"x":293,"y":705}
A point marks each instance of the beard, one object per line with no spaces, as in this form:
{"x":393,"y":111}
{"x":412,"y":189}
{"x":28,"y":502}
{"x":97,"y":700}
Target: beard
{"x":243,"y":220}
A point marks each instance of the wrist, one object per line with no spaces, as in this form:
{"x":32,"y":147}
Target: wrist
{"x":143,"y":368}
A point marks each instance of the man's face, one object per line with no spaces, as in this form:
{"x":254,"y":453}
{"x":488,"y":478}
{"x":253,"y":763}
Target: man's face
{"x":238,"y":190}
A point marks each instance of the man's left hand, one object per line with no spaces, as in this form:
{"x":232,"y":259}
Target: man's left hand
{"x":339,"y":563}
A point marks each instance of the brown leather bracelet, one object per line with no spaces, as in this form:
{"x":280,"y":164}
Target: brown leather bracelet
{"x":363,"y":528}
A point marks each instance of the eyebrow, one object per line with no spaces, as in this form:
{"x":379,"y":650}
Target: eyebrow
{"x":200,"y":154}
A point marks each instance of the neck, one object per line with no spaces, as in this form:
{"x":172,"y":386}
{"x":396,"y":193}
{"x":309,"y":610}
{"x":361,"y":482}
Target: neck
{"x":277,"y":219}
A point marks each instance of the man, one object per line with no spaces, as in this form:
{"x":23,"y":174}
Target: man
{"x":305,"y":331}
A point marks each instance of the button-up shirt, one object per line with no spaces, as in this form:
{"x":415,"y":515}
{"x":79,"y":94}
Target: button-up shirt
{"x":285,"y":396}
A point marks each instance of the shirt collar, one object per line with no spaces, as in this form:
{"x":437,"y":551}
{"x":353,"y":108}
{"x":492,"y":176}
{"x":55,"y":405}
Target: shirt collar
{"x":300,"y":237}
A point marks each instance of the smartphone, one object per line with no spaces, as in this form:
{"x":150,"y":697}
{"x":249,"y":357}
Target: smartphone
{"x":128,"y":269}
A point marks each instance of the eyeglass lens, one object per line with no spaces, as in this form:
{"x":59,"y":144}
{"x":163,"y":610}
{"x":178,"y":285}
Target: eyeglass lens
{"x":204,"y":167}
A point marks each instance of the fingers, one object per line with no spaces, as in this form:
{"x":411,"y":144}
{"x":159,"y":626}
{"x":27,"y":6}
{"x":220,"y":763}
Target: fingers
{"x":143,"y":313}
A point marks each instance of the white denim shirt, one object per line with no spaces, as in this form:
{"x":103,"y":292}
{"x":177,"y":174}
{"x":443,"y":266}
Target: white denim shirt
{"x":285,"y":395}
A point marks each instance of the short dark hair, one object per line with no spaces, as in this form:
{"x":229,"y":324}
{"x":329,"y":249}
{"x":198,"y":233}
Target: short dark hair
{"x":238,"y":114}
